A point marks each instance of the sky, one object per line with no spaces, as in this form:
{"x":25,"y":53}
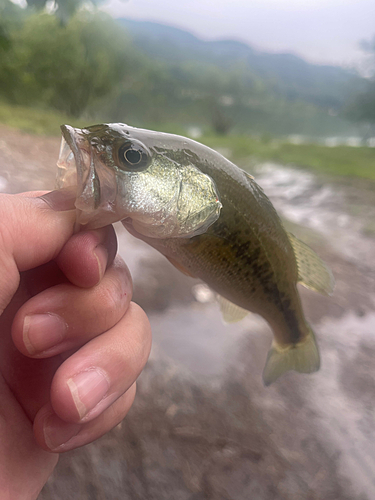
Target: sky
{"x":321,"y":31}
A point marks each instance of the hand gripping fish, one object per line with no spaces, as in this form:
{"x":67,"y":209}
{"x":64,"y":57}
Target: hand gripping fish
{"x":208,"y":217}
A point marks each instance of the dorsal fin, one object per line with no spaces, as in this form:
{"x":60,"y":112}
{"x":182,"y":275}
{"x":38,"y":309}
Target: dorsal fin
{"x":313,"y":273}
{"x":231,"y":313}
{"x":248,"y":175}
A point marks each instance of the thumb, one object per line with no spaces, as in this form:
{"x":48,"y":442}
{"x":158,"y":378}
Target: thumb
{"x":31,"y":234}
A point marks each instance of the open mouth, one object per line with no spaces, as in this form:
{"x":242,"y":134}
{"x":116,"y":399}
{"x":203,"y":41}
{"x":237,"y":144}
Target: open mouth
{"x":74,"y":163}
{"x":76,"y":168}
{"x":80,"y":168}
{"x":66,"y":167}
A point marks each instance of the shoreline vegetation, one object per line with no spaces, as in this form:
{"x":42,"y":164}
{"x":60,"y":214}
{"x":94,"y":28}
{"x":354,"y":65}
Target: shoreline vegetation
{"x":338,"y":161}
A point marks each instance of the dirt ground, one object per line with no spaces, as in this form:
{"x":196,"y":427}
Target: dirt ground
{"x":203,"y":426}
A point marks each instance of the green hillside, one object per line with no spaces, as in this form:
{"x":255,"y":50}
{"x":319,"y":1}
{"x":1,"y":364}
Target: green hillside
{"x":227,"y":83}
{"x":92,"y":67}
{"x":288,"y":75}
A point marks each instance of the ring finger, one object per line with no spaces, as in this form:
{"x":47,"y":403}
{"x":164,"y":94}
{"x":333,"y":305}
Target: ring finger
{"x":95,"y":376}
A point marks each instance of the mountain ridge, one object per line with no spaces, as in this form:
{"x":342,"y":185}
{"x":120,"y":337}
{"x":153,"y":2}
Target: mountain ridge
{"x":288,"y":74}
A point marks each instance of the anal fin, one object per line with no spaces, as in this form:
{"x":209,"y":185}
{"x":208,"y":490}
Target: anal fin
{"x":230,"y":312}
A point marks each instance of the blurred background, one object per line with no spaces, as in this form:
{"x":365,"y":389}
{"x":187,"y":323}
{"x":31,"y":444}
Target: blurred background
{"x":286,"y":90}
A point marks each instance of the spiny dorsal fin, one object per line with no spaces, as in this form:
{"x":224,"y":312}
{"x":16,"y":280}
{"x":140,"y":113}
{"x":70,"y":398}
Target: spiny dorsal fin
{"x":231,"y":313}
{"x":302,"y":357}
{"x":249,"y":175}
{"x":313,"y":273}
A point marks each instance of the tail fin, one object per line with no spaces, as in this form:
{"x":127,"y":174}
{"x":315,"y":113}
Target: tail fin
{"x":302,"y":357}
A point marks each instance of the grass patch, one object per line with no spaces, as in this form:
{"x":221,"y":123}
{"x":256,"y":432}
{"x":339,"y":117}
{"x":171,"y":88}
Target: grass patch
{"x":340,"y":160}
{"x":337,"y":161}
{"x":35,"y":121}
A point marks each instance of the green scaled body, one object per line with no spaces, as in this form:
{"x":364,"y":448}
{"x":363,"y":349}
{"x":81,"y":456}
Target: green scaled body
{"x":211,"y":220}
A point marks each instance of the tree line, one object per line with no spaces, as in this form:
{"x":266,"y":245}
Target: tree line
{"x":83,"y":63}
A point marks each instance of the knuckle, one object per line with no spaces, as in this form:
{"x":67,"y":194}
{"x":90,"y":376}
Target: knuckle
{"x":6,"y":241}
{"x":143,"y":337}
{"x":122,"y":270}
{"x":9,"y":278}
{"x":112,"y":296}
{"x":116,"y":290}
{"x":133,"y":346}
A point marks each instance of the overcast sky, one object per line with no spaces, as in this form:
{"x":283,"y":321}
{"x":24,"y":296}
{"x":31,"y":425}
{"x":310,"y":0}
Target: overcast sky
{"x":321,"y":31}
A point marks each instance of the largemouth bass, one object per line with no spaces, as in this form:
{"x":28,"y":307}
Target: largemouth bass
{"x":208,"y":217}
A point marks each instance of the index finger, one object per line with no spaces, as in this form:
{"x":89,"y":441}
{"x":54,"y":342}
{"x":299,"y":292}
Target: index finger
{"x":31,"y":234}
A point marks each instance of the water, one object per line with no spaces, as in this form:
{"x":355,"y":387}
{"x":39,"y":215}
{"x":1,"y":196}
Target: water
{"x":325,"y":208}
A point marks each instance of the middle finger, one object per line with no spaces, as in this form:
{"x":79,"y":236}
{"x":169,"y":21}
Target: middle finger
{"x":65,"y":316}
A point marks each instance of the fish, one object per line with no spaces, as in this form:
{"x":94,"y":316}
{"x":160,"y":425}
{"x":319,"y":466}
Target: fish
{"x":209,"y":218}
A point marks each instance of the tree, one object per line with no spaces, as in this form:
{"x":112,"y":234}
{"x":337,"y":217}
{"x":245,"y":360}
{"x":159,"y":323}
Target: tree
{"x":63,"y":9}
{"x":11,"y":17}
{"x":64,"y":67}
{"x":362,"y":106}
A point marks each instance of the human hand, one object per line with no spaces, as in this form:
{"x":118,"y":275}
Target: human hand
{"x":72,"y":343}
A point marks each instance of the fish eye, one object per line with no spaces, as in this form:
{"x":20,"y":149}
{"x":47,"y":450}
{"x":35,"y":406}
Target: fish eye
{"x":133,"y":156}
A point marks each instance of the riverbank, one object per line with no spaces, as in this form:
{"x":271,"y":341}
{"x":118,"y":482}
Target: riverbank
{"x":340,"y":161}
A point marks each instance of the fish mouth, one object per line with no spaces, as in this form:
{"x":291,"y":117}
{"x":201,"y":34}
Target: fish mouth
{"x":66,"y":164}
{"x":76,"y":167}
{"x":79,"y":167}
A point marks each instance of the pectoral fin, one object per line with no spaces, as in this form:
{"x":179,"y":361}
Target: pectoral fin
{"x":230,"y":312}
{"x":313,"y":273}
{"x":302,"y":357}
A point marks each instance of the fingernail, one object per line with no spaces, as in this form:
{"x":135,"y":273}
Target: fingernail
{"x":88,"y":389}
{"x":61,"y":199}
{"x":43,"y":331}
{"x":57,"y":432}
